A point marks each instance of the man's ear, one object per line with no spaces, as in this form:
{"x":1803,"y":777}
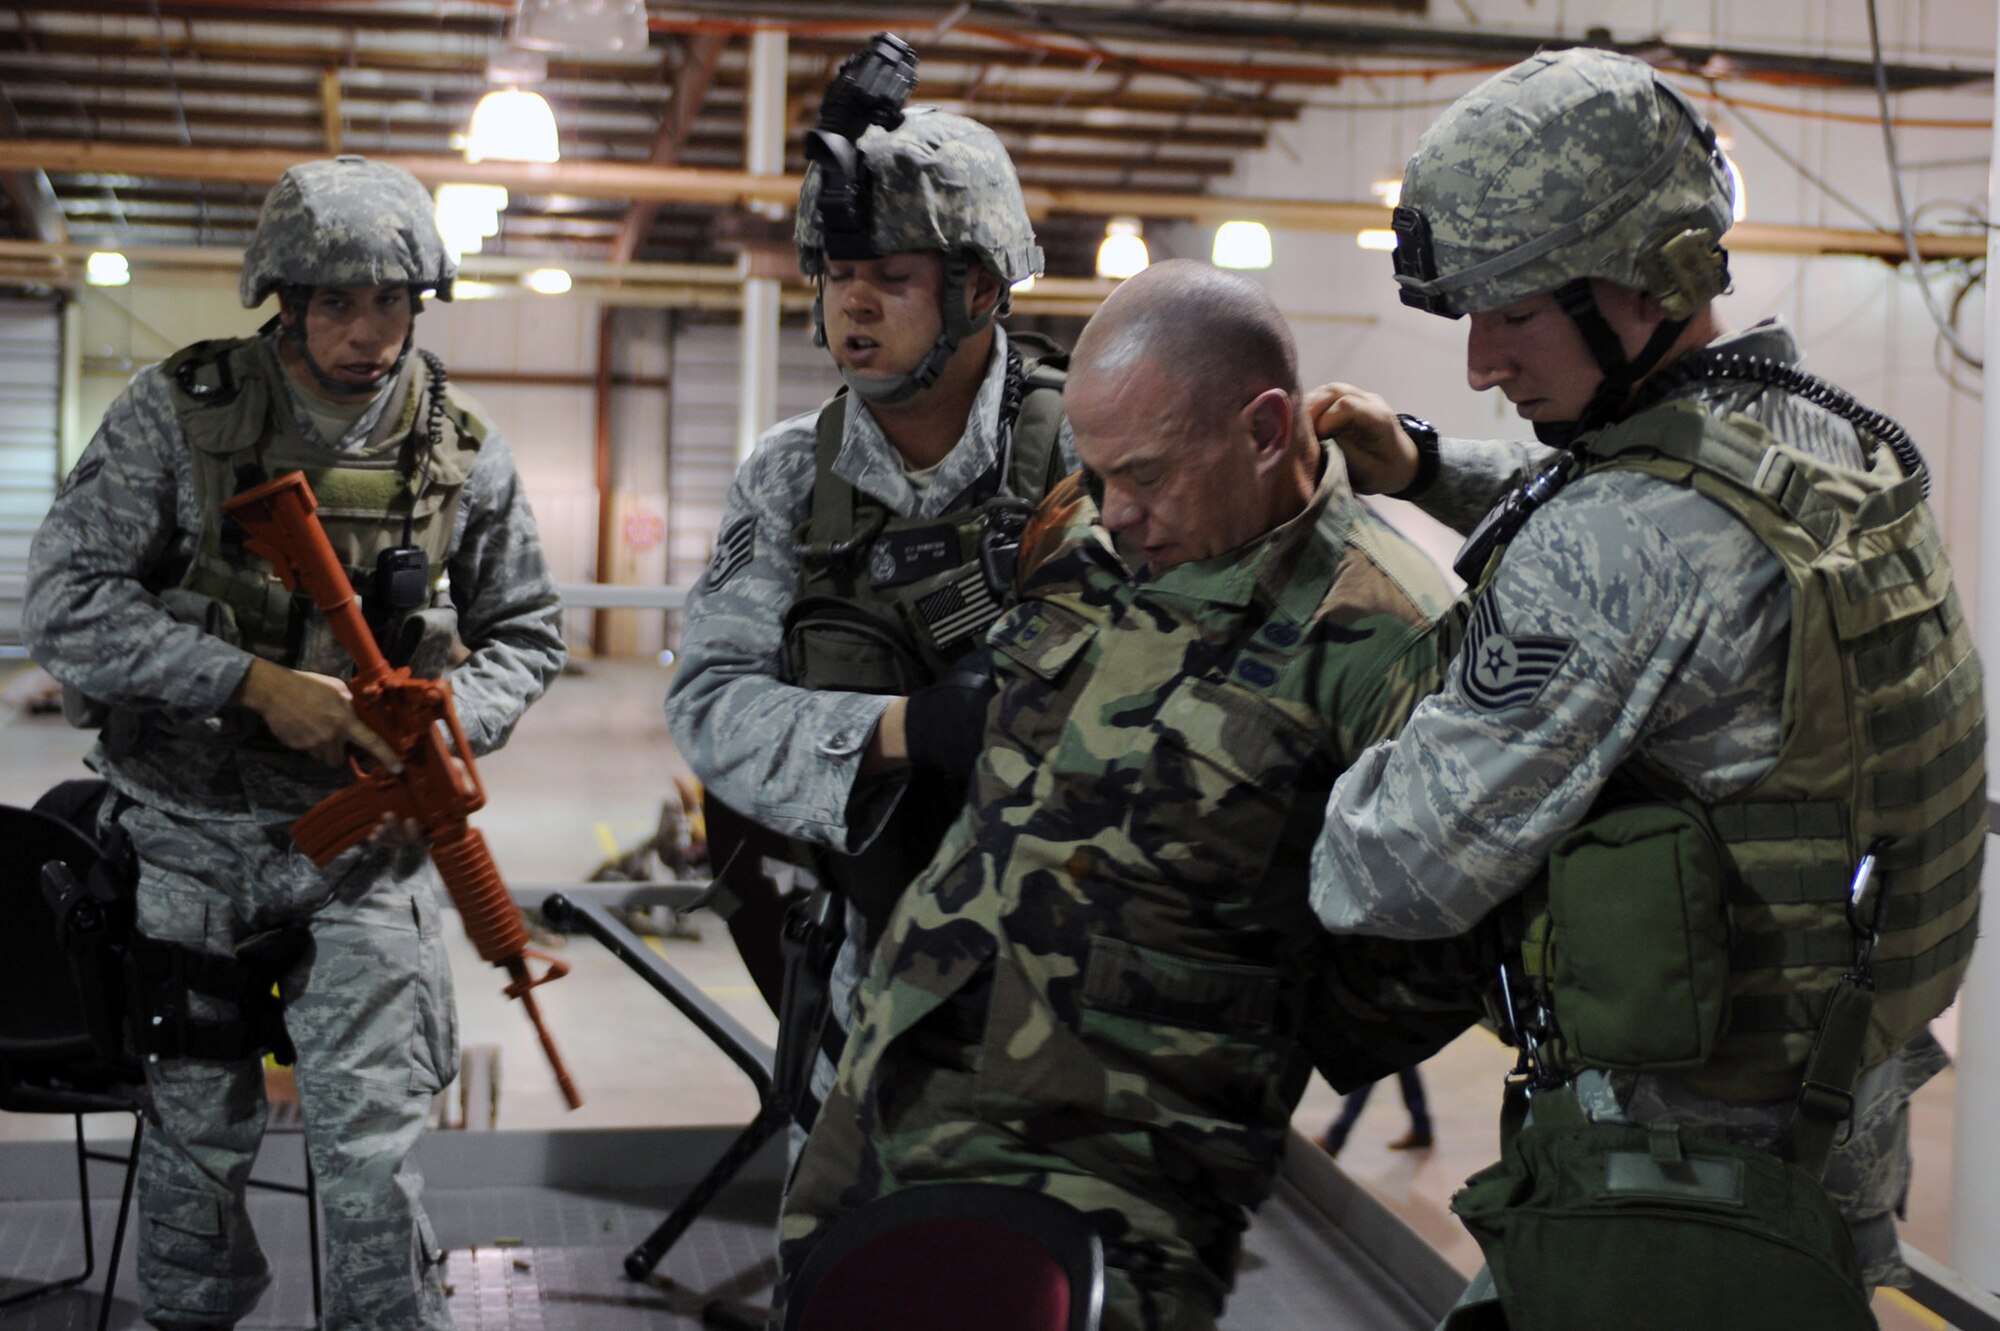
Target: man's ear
{"x":982,"y":291}
{"x":1268,"y":417}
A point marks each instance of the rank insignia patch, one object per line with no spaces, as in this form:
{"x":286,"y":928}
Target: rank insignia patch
{"x":1498,"y":669}
{"x":732,"y":551}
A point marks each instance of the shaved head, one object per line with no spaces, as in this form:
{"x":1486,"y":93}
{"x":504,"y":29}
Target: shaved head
{"x":1220,"y":334}
{"x":1183,"y":398}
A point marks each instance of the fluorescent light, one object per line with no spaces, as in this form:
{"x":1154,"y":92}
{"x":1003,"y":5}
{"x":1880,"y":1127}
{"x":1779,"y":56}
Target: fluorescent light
{"x":1241,"y":245}
{"x":1025,"y":285}
{"x":1737,"y":208}
{"x":1123,"y":253}
{"x":1390,"y":192}
{"x":546,"y":281}
{"x":1376,"y":239}
{"x":107,"y":268}
{"x":467,"y":290}
{"x":512,"y":126}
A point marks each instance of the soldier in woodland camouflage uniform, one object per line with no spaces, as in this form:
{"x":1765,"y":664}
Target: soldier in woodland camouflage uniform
{"x":1737,"y":578}
{"x":224,"y":717}
{"x":848,"y":574}
{"x":1105,"y":985}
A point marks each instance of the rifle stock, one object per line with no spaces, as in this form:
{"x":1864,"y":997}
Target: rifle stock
{"x":439,"y":785}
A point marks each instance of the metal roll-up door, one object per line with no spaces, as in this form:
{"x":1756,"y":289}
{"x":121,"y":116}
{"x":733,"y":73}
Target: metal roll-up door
{"x":30,"y":412}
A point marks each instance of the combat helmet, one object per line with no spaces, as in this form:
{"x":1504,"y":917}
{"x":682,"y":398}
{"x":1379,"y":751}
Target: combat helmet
{"x":881,"y":179}
{"x":1569,"y":166}
{"x":346,"y":222}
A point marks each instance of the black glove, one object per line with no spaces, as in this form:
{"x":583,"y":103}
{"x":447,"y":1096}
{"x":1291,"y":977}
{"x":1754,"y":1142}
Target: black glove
{"x":944,"y":724}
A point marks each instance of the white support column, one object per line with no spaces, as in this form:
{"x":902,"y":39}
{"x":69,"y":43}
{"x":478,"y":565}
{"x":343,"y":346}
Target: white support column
{"x":1975,"y":1208}
{"x":764,"y":152}
{"x":70,"y":434}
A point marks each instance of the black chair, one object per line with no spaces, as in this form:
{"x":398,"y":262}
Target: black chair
{"x":61,"y":1044}
{"x":49,"y":1064}
{"x":953,"y":1257}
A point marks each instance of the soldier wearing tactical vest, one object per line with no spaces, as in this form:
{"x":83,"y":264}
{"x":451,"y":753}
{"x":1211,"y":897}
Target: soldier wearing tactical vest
{"x":224,"y":716}
{"x":1107,"y":986}
{"x":1714,"y":739}
{"x":866,"y":547}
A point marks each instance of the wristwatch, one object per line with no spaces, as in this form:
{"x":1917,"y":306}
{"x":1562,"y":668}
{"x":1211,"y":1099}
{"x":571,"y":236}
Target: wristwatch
{"x":1425,"y":436}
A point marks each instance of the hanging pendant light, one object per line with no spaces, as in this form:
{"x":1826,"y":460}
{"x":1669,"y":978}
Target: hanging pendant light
{"x":512,"y":126}
{"x":1123,"y":252}
{"x":1241,"y":245}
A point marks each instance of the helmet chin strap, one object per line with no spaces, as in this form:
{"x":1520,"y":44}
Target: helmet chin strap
{"x":959,"y":324}
{"x":296,"y":330}
{"x":1621,"y":373}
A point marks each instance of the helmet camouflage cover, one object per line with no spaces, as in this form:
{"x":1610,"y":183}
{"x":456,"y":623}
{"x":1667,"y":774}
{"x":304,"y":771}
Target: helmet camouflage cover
{"x":346,"y":222}
{"x":939,"y":182}
{"x":1572,"y":164}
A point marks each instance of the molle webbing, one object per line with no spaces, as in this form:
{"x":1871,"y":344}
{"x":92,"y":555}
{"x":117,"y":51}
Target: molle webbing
{"x":235,"y":411}
{"x":941,"y":610}
{"x":1884,"y":745}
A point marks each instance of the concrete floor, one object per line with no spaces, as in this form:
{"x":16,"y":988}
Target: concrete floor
{"x":585,"y":774}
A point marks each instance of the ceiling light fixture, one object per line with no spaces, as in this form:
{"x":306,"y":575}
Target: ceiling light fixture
{"x":546,"y":281}
{"x":467,"y":214}
{"x":1123,"y":252}
{"x":107,"y":268}
{"x":512,"y":126}
{"x":584,"y":27}
{"x":1376,"y":238}
{"x":1241,"y":245}
{"x":1390,"y":192}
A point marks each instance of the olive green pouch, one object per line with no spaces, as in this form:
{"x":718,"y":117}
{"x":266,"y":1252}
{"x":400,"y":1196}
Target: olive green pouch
{"x":1593,"y":1225}
{"x":1635,"y":941}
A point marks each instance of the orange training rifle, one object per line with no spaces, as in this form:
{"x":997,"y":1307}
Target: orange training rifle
{"x":438,"y":786}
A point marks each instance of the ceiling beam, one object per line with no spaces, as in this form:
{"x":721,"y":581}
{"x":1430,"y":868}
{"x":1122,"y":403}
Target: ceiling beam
{"x":735,"y":188}
{"x":697,"y":72}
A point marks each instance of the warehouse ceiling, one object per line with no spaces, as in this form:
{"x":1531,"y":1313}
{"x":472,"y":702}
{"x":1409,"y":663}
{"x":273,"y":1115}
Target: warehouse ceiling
{"x":1149,"y":97}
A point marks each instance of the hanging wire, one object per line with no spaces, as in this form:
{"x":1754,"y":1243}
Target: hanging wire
{"x":1805,"y":172}
{"x":1938,"y":316}
{"x":180,"y":113}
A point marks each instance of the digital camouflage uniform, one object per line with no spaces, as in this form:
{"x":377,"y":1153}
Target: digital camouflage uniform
{"x":1633,"y":640}
{"x":1673,"y":619}
{"x":1102,"y":987}
{"x":209,"y":798}
{"x":771,"y":746}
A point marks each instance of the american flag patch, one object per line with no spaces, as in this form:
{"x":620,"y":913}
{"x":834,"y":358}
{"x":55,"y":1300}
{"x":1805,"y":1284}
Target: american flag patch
{"x":960,"y":607}
{"x":1498,"y":669}
{"x":732,"y":551}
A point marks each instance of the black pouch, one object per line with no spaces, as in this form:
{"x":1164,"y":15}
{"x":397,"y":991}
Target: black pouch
{"x":1592,"y":1225}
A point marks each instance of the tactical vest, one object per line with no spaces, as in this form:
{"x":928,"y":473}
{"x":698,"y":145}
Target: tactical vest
{"x":1883,"y":749}
{"x":886,"y":603}
{"x":233,"y":406}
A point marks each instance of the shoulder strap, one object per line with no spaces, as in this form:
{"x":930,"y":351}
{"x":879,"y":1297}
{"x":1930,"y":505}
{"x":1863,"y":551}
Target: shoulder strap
{"x":1038,"y":462}
{"x":832,"y":520}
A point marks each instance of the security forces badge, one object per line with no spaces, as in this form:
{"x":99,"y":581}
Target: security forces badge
{"x":1498,"y":669}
